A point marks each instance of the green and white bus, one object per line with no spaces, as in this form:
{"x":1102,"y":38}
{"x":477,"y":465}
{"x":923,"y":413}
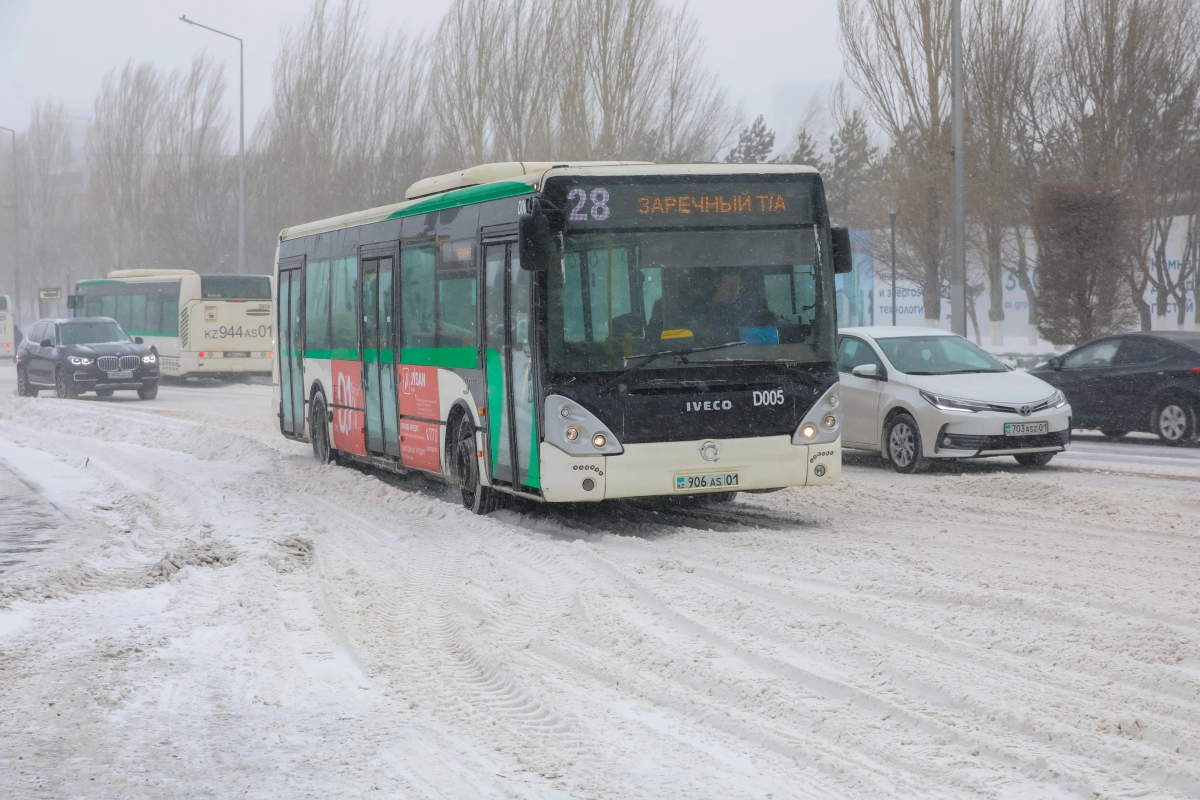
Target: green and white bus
{"x":201,"y":325}
{"x":8,"y":324}
{"x":572,"y":332}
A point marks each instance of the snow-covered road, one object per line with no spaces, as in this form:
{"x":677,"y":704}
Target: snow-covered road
{"x":190,"y":606}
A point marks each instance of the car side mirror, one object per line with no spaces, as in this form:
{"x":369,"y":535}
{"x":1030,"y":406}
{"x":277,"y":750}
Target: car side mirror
{"x":1055,"y":363}
{"x":47,"y":343}
{"x":536,"y":239}
{"x":866,"y":371}
{"x":843,"y":256}
{"x":138,"y":340}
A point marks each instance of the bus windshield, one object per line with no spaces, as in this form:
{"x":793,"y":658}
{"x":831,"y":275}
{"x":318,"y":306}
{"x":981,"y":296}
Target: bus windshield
{"x":235,"y":287}
{"x":91,"y":332}
{"x":620,"y":295}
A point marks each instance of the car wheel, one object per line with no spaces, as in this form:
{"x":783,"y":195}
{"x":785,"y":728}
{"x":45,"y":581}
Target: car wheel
{"x":903,"y":442}
{"x":104,"y":393}
{"x":476,"y":497}
{"x":1034,"y":459}
{"x":64,"y":387}
{"x":318,"y":423}
{"x":1174,"y":422}
{"x":148,"y":391}
{"x":24,"y":388}
{"x":1113,"y":433}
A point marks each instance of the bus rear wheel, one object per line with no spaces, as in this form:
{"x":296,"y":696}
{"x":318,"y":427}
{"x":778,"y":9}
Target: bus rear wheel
{"x":476,"y":497}
{"x":318,"y":424}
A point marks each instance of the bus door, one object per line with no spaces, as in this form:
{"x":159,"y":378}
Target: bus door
{"x":510,"y":365}
{"x":290,"y":310}
{"x":379,"y":373}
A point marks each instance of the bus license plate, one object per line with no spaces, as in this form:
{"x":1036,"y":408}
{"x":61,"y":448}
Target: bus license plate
{"x":1026,"y":428}
{"x":229,"y":354}
{"x":714,"y":480}
{"x":123,"y":375}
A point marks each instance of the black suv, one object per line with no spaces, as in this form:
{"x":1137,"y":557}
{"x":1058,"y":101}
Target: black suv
{"x":86,"y":354}
{"x":1135,"y":382}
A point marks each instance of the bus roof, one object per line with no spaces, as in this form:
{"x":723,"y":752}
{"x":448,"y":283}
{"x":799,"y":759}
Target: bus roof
{"x":149,"y":273}
{"x":513,"y":179}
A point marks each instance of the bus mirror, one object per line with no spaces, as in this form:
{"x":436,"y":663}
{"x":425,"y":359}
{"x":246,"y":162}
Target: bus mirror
{"x":537,"y":242}
{"x":843,"y":258}
{"x":70,"y":302}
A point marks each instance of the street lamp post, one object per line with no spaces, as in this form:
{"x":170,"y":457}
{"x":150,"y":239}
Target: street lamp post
{"x":241,"y":141}
{"x":958,"y":267}
{"x":16,"y":229}
{"x":893,"y":205}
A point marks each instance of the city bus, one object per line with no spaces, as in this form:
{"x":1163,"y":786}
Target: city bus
{"x":571,"y":332}
{"x":201,"y":325}
{"x":8,"y":324}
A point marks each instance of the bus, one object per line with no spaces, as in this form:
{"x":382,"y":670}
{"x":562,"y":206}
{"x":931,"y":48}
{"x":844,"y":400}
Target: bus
{"x":201,"y":325}
{"x":8,"y":324}
{"x":571,"y":332}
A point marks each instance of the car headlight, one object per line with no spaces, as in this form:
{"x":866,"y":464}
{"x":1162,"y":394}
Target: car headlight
{"x":149,"y":358}
{"x":79,"y":361}
{"x":1059,"y":400}
{"x":953,"y":403}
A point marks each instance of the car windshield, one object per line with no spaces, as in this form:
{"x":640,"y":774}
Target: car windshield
{"x":620,"y":295}
{"x":91,"y":332}
{"x":937,"y":355}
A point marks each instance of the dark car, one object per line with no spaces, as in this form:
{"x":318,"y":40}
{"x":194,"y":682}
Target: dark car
{"x":1135,"y":382}
{"x":86,"y":354}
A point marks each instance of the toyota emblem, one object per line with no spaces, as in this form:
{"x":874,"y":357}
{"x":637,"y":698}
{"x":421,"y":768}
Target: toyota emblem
{"x":709,"y":452}
{"x":1025,"y":411}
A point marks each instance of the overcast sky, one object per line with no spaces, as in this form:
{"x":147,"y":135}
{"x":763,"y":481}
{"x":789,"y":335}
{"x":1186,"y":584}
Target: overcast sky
{"x":770,"y":54}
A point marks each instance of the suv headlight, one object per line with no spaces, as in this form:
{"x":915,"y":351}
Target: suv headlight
{"x":149,"y":358}
{"x":953,"y":403}
{"x":80,"y":361}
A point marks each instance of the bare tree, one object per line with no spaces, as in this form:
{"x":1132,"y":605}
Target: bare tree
{"x":1002,"y":59}
{"x":466,"y":57}
{"x":524,"y":88}
{"x":897,"y":52}
{"x":119,"y":147}
{"x":192,"y":180}
{"x":44,"y":155}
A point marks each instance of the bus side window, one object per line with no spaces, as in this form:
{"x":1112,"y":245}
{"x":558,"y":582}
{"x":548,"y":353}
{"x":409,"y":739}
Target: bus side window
{"x":316,"y":305}
{"x":170,"y":315}
{"x":344,"y":330}
{"x":137,"y":313}
{"x":108,"y":306}
{"x":416,"y":297}
{"x":457,"y":311}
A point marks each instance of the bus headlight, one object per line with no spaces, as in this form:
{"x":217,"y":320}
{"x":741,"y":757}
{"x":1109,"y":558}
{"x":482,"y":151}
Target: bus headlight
{"x":599,"y":440}
{"x":149,"y":358}
{"x":829,"y":421}
{"x":808,"y":430}
{"x":572,"y":433}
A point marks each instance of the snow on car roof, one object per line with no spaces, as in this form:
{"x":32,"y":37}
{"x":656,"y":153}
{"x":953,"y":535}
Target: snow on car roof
{"x":889,"y":332}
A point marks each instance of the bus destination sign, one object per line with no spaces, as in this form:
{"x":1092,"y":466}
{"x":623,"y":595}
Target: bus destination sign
{"x":622,"y":205}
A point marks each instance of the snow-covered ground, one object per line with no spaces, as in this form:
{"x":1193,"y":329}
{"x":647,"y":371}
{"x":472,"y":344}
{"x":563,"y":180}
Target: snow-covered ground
{"x":190,"y":606}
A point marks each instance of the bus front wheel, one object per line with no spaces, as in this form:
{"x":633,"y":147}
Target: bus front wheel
{"x":478,"y":498}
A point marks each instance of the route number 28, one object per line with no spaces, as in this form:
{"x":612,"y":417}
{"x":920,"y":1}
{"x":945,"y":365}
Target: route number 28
{"x":599,"y":210}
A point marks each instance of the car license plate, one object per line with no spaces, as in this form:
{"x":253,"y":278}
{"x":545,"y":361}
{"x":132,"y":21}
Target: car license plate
{"x":229,"y":354}
{"x":713,"y":480}
{"x":116,"y":376}
{"x":1026,"y":428}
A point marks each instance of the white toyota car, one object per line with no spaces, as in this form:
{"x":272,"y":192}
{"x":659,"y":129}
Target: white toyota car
{"x":916,"y":394}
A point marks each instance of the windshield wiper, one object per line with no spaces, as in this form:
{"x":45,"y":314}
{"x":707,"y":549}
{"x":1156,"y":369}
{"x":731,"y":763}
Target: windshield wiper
{"x":648,"y":357}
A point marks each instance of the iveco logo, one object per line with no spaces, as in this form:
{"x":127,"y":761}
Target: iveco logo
{"x":710,"y":405}
{"x":708,"y":451}
{"x":1025,"y":411}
